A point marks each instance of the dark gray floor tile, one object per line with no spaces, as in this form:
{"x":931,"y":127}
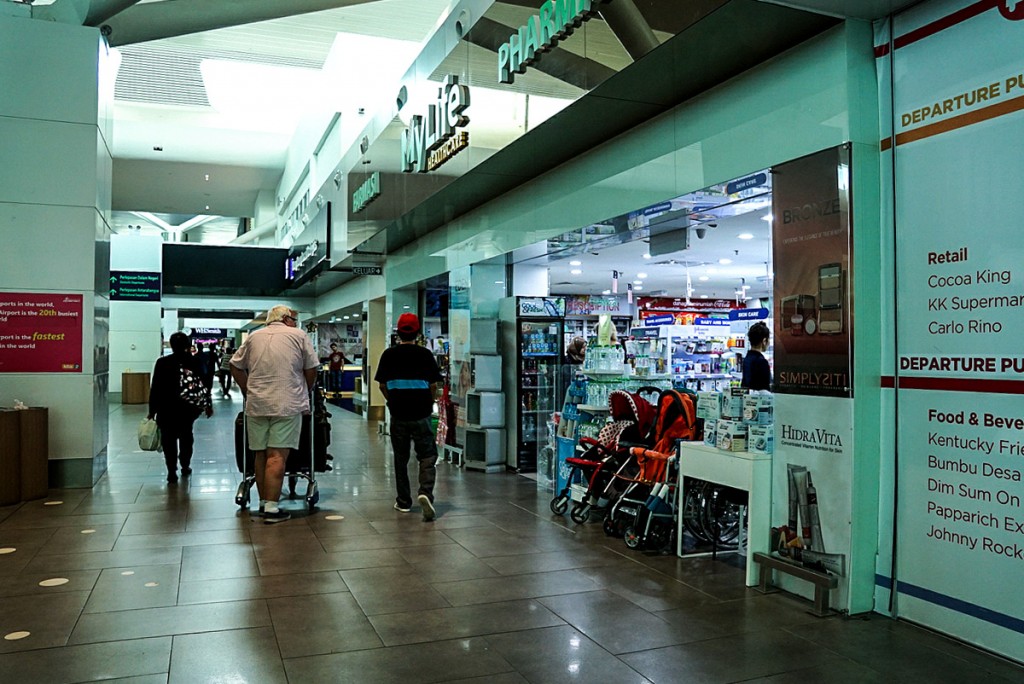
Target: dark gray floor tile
{"x":240,"y":655}
{"x":49,"y":619}
{"x":416,"y":664}
{"x":273,"y":586}
{"x":558,"y":654}
{"x":86,"y":540}
{"x":729,"y":659}
{"x":332,"y":561}
{"x":550,"y":561}
{"x":493,"y":590}
{"x":454,"y":570}
{"x":135,"y":624}
{"x":148,"y":586}
{"x":507,"y":678}
{"x":758,"y":612}
{"x":616,"y":624}
{"x":28,"y":584}
{"x":465,"y":621}
{"x":836,"y":670}
{"x":88,"y":663}
{"x":143,"y":679}
{"x":383,"y":541}
{"x":499,"y":542}
{"x":396,"y":589}
{"x":31,"y":538}
{"x":326,"y":623}
{"x":217,"y":562}
{"x":158,"y":541}
{"x":103,"y":559}
{"x":644,"y":587}
{"x":28,"y":520}
{"x":14,"y":562}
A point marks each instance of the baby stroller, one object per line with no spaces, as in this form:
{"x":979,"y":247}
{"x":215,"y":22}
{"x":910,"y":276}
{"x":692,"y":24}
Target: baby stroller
{"x":631,"y":420}
{"x":645,"y":512}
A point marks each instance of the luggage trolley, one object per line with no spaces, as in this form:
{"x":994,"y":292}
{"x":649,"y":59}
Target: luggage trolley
{"x":310,"y":458}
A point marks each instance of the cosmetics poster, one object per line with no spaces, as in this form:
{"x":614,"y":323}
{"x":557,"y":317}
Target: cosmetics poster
{"x":40,"y":333}
{"x":812,"y":256}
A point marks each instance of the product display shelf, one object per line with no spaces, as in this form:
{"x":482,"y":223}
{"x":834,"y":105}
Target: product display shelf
{"x":749,"y":472}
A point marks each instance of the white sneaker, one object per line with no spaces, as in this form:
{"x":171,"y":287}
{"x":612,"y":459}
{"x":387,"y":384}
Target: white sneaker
{"x":403,"y":509}
{"x":427,"y":506}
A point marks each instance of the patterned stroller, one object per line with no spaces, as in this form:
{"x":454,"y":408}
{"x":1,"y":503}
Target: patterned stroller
{"x":631,"y":419}
{"x":644,"y":515}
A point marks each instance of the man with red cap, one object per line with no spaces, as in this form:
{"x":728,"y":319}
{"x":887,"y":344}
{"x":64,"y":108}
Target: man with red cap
{"x":408,"y":378}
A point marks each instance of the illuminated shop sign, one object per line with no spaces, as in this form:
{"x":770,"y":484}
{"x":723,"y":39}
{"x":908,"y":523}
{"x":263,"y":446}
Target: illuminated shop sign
{"x":367,"y":192}
{"x":430,"y":141}
{"x":556,"y":21}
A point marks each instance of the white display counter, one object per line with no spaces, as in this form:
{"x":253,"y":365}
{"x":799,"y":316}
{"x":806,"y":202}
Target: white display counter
{"x":749,"y":472}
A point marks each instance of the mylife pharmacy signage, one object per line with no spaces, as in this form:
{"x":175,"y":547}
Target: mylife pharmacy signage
{"x":430,"y":141}
{"x":556,"y":21}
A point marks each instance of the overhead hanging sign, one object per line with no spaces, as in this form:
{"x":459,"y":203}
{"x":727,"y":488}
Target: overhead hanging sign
{"x":748,"y":314}
{"x":40,"y":333}
{"x":431,"y":141}
{"x":556,"y":21}
{"x":134,"y":286}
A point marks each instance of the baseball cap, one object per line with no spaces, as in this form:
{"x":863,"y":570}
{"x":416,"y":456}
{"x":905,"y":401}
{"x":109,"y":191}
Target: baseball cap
{"x":408,"y":323}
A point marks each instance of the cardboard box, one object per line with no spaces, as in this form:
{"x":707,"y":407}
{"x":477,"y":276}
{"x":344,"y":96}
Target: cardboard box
{"x":709,"y":405}
{"x":758,"y":409}
{"x":710,"y":432}
{"x":732,"y":435}
{"x":761,"y":439}
{"x":732,"y":403}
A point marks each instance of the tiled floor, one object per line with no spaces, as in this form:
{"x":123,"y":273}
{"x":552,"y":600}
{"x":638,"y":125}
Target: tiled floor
{"x":172,"y":583}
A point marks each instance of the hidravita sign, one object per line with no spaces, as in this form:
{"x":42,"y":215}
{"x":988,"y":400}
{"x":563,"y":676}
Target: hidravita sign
{"x":430,"y":141}
{"x":556,"y":21}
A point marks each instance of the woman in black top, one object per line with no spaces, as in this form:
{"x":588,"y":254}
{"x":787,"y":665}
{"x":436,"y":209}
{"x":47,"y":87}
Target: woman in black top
{"x":757,"y":374}
{"x":173,"y":414}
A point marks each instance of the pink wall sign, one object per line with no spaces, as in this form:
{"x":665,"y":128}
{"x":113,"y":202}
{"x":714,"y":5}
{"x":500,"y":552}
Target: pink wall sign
{"x":40,"y":333}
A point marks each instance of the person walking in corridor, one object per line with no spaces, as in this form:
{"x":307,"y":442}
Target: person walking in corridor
{"x":177,"y":396}
{"x":408,"y":377}
{"x":274,"y":368}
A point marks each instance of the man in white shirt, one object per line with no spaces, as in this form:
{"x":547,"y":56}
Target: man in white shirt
{"x":275,"y":368}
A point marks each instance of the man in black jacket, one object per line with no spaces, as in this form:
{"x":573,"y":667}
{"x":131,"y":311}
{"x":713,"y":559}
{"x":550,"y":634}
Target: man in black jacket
{"x":174,"y":415}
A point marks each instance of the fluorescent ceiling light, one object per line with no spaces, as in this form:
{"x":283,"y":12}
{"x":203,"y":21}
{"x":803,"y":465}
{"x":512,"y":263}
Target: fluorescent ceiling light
{"x":406,"y":306}
{"x":704,"y":278}
{"x":606,"y":292}
{"x":725,"y":262}
{"x":345,"y":317}
{"x":746,"y":236}
{"x":574,"y":262}
{"x":767,"y":217}
{"x":638,"y":287}
{"x":641,"y":275}
{"x":703,"y":296}
{"x":576,"y":271}
{"x":638,"y":282}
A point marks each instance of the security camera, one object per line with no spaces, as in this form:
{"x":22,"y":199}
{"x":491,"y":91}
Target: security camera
{"x":701,"y":232}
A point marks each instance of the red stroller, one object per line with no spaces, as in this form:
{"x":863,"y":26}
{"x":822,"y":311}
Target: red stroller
{"x":631,"y":420}
{"x":646,"y":511}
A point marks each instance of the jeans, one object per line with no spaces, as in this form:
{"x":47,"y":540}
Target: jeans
{"x":335,"y":380}
{"x":418,"y":433}
{"x":176,"y":439}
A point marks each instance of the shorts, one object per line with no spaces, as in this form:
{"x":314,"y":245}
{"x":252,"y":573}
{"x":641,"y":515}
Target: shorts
{"x":275,"y":432}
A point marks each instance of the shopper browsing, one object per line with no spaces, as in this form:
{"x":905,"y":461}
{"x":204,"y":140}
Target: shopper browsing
{"x":275,"y":368}
{"x":757,"y":374}
{"x":408,"y":378}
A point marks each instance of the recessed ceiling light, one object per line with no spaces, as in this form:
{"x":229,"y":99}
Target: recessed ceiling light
{"x":606,"y":292}
{"x":638,"y":282}
{"x":704,"y":278}
{"x":406,"y":306}
{"x":499,"y":282}
{"x":725,"y":261}
{"x":575,"y":262}
{"x":641,"y":275}
{"x":207,"y":176}
{"x":576,"y":271}
{"x":703,"y":296}
{"x":638,"y":287}
{"x":647,"y":256}
{"x":746,"y":236}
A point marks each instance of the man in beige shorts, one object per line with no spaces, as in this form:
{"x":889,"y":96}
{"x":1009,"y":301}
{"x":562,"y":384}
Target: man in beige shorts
{"x":275,"y":368}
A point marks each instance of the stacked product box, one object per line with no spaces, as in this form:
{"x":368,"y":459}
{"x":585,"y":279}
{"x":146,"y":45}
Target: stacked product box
{"x":732,"y":435}
{"x":710,"y":432}
{"x":760,"y":420}
{"x":732,"y":403}
{"x":709,"y":406}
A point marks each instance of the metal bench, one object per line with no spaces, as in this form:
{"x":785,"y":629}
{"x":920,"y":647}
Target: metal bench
{"x":823,"y":582}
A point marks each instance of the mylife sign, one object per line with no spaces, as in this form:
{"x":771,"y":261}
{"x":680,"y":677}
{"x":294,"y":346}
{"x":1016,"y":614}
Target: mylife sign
{"x":425,"y":136}
{"x":556,"y":21}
